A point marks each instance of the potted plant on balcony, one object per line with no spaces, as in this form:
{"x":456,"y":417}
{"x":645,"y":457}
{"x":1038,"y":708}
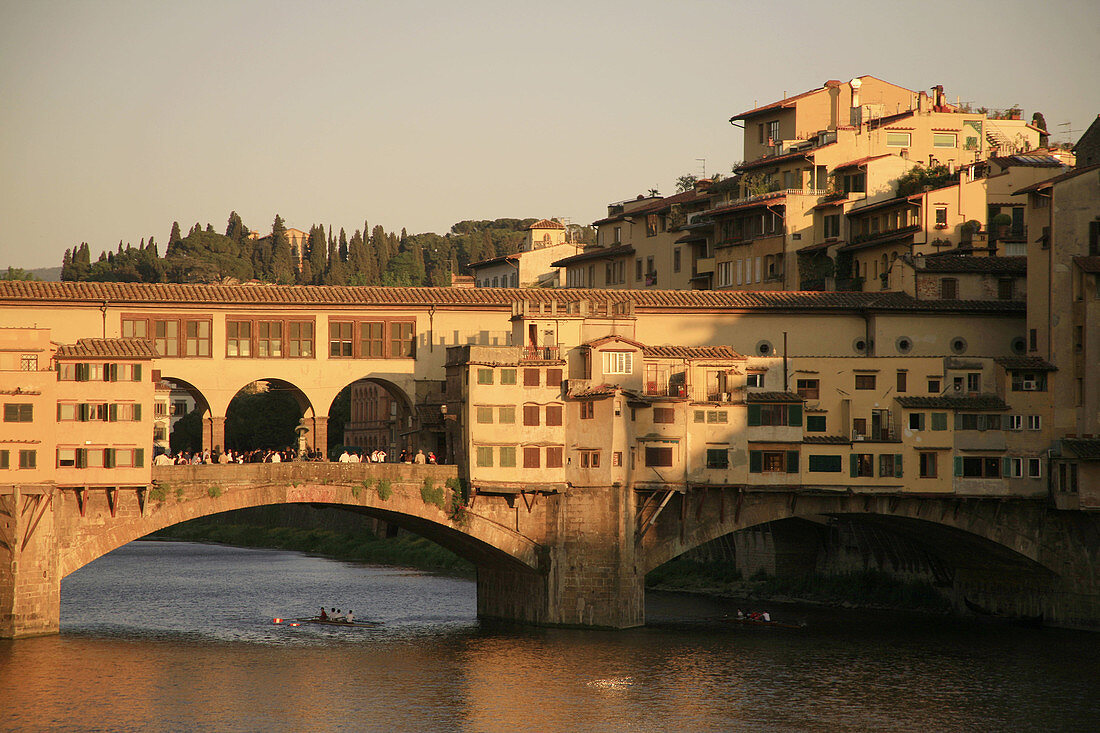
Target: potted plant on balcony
{"x":969,"y":229}
{"x":1001,"y":224}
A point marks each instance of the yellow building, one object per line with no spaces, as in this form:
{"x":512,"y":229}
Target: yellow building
{"x":534,"y":265}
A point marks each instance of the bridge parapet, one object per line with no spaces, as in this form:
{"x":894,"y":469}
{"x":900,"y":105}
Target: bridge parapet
{"x":304,"y":471}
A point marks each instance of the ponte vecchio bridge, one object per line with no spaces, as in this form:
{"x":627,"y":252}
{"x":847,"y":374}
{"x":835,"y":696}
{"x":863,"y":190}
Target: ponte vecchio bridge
{"x":570,"y":554}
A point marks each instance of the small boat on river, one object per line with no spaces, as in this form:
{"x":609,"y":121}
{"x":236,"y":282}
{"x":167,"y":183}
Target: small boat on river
{"x":328,"y":622}
{"x":750,"y":621}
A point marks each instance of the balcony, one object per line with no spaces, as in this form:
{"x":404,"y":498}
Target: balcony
{"x":540,"y":353}
{"x":660,"y":389}
{"x":704,"y":265}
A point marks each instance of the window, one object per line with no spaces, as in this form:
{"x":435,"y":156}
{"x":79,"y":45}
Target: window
{"x":238,"y":338}
{"x":658,"y":457}
{"x":754,"y":379}
{"x":507,"y":456}
{"x":530,"y":377}
{"x":484,"y":456}
{"x":933,"y":386}
{"x":66,"y":412}
{"x":717,"y":417}
{"x":484,"y":415}
{"x":589,"y":458}
{"x":773,"y":461}
{"x":949,"y":288}
{"x":676,"y":259}
{"x":944,"y":140}
{"x":269,"y":339}
{"x":971,"y":421}
{"x":902,"y":381}
{"x":863,"y":465}
{"x":651,"y":225}
{"x":554,"y":456}
{"x":507,"y":376}
{"x":617,"y":459}
{"x":807,"y":388}
{"x":664,"y":415}
{"x":898,"y":139}
{"x":135,"y":329}
{"x":5,"y":460}
{"x":718,"y":458}
{"x":974,"y":382}
{"x":976,"y":467}
{"x":197,"y":338}
{"x":370,"y":339}
{"x":1006,"y":288}
{"x":401,"y":339}
{"x":775,"y":414}
{"x":824,"y":464}
{"x":301,"y":339}
{"x":1034,"y":422}
{"x":18,"y":412}
{"x":531,"y":457}
{"x":484,"y":376}
{"x":865,"y":381}
{"x":553,"y":377}
{"x":553,"y":415}
{"x":588,"y":410}
{"x":1034,"y":468}
{"x":1067,"y":477}
{"x":773,"y":131}
{"x":723,"y":274}
{"x":916,"y":421}
{"x":339,"y":339}
{"x":618,"y":362}
{"x":927,"y":465}
{"x":815,"y":424}
{"x":530,"y":414}
{"x":28,"y":459}
{"x":638,"y":269}
{"x":28,"y":363}
{"x":506,"y":415}
{"x":889,"y":464}
{"x":832,"y":226}
{"x":939,"y":421}
{"x":1015,"y":422}
{"x":166,"y":337}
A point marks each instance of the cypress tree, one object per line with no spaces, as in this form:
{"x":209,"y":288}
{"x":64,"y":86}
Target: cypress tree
{"x":318,"y":253}
{"x":174,"y":238}
{"x":282,"y":266}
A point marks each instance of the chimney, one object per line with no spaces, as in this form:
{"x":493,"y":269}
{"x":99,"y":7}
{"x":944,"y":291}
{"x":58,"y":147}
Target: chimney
{"x":857,"y":113}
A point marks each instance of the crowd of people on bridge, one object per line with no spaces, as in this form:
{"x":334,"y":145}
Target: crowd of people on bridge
{"x":261,"y":455}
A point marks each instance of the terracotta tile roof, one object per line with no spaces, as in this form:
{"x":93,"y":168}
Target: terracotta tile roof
{"x":1084,"y":448}
{"x":594,"y":393}
{"x":878,"y":205}
{"x":547,"y":224}
{"x":1088,"y":264}
{"x":689,"y":237}
{"x":139,"y":294}
{"x":762,"y":162}
{"x":1028,"y":161}
{"x":825,"y":439}
{"x":861,"y":161}
{"x":772,"y":397}
{"x":885,"y":238}
{"x":108,"y":349}
{"x":966,"y":263}
{"x":690,"y":352}
{"x":430,"y":414}
{"x":599,"y":253}
{"x":1029,"y":363}
{"x":951,"y":402}
{"x":657,"y":205}
{"x":767,"y":199}
{"x":608,"y":339}
{"x":494,"y":261}
{"x":781,"y":104}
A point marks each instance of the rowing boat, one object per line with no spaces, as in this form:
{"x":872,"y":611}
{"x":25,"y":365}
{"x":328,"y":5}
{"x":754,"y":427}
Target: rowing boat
{"x":328,"y":622}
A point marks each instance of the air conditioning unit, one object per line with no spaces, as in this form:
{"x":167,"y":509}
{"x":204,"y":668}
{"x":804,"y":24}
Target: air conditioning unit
{"x":1030,"y":385}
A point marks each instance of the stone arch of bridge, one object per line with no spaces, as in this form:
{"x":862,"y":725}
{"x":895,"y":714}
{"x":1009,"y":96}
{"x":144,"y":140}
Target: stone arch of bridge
{"x":356,"y":411}
{"x":957,"y":530}
{"x":271,"y":385}
{"x":478,"y":539}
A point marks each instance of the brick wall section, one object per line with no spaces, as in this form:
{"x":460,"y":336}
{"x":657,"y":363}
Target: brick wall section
{"x":30,"y":599}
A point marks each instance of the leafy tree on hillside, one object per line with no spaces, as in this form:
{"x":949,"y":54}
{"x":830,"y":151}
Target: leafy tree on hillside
{"x":18,"y":273}
{"x":917,"y":178}
{"x":207,"y":257}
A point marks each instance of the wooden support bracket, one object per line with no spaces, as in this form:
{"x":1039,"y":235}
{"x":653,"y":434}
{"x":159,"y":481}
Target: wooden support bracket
{"x":737,"y":507}
{"x":112,"y":500}
{"x":81,"y":500}
{"x":41,"y":506}
{"x":702,"y":503}
{"x":141,"y":499}
{"x":530,"y":504}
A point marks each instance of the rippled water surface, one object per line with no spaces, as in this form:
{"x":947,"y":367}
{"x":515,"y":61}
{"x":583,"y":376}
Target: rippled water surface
{"x":178,"y":637}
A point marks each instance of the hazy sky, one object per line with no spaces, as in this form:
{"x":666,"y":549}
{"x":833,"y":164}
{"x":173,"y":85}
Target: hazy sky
{"x":118,"y":118}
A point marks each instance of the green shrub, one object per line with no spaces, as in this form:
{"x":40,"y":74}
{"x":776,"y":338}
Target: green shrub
{"x":159,"y":492}
{"x":179,"y":493}
{"x":432,"y":494}
{"x":214,"y":491}
{"x":384,"y":489}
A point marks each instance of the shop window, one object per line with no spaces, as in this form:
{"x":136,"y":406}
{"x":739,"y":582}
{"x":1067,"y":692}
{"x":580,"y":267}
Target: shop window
{"x":658,"y":457}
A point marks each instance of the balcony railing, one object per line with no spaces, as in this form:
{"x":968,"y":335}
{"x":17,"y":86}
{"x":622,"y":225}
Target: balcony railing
{"x":659,"y":389}
{"x":540,"y":353}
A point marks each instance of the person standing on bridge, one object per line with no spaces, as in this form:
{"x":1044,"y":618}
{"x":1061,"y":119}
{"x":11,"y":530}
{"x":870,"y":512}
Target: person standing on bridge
{"x":420,"y":457}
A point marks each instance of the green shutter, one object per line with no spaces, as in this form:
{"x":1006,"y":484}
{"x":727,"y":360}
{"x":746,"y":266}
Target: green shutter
{"x":958,"y":466}
{"x":82,"y":372}
{"x":82,"y":412}
{"x":1006,"y":467}
{"x":897,"y":465}
{"x":136,"y":374}
{"x":792,"y":461}
{"x":854,"y":464}
{"x":756,"y":461}
{"x":110,"y":372}
{"x":108,"y":457}
{"x":754,"y":414}
{"x":81,"y":457}
{"x":939,"y":421}
{"x":139,"y":458}
{"x":794,"y":415}
{"x":59,"y":411}
{"x":112,"y":412}
{"x":137,"y":413}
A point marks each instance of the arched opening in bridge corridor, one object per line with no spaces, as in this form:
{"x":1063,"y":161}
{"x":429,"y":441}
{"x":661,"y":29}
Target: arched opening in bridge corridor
{"x":179,"y":414}
{"x":374,"y":413}
{"x":866,"y":559}
{"x":264,"y":415}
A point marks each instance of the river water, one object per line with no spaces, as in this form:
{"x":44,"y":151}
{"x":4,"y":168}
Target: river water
{"x":179,"y":637}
